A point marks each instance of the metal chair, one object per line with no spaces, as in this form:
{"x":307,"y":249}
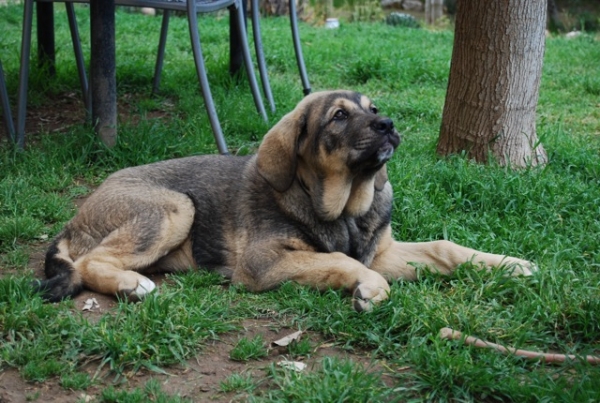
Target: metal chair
{"x":8,"y":120}
{"x":192,"y":8}
{"x":262,"y":66}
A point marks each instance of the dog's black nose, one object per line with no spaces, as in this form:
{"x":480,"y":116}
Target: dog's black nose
{"x":383,"y":126}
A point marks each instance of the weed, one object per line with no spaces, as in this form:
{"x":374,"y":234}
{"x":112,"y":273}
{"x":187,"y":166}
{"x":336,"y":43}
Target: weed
{"x":75,"y":381}
{"x":334,"y":381}
{"x":152,"y":392}
{"x":246,"y":349}
{"x":238,"y":383}
{"x":32,"y":397}
{"x":302,"y":348}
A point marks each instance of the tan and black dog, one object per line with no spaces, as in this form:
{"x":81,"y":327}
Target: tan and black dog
{"x":312,"y":206}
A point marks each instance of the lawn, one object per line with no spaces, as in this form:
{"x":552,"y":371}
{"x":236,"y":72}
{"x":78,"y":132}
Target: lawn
{"x":550,"y":215}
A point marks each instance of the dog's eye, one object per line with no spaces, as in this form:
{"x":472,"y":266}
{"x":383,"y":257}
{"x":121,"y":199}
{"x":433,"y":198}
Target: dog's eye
{"x":340,"y":114}
{"x":374,"y":109}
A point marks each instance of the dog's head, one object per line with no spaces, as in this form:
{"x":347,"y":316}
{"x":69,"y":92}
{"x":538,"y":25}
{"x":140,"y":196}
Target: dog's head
{"x":335,"y":145}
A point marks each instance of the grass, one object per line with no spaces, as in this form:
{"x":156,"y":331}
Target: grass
{"x":238,"y":383}
{"x":549,"y":215}
{"x":249,"y":349}
{"x":335,"y":381}
{"x":151,"y":392}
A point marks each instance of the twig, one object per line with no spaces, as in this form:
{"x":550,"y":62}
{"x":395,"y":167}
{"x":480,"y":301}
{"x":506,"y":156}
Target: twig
{"x":449,"y":334}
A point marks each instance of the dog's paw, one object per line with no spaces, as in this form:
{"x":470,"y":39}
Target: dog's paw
{"x":519,"y":267}
{"x":143,"y":287}
{"x":368,"y":293}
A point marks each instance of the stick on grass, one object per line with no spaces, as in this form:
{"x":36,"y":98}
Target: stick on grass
{"x":450,"y":334}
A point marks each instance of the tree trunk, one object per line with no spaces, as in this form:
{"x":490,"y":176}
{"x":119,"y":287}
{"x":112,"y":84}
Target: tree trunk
{"x":494,"y":82}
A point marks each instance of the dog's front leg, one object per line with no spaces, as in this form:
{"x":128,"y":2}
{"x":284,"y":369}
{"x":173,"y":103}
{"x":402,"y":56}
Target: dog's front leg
{"x":266,"y":270}
{"x":399,"y":260}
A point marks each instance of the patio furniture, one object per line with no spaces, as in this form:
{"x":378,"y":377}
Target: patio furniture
{"x":262,"y":67}
{"x":192,"y":8}
{"x":6,"y":113}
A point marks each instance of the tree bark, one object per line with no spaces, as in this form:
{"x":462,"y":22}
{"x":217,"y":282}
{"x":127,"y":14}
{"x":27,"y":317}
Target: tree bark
{"x":493,"y":88}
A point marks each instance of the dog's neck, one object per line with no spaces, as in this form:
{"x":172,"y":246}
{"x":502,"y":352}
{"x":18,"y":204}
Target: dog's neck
{"x":332,"y":198}
{"x":361,"y":196}
{"x":303,"y":185}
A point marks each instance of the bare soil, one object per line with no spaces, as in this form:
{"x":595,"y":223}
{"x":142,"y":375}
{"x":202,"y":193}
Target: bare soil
{"x":55,"y":116}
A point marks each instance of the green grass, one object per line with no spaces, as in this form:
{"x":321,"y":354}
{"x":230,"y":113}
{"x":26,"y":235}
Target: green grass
{"x":47,"y":339}
{"x":334,"y":381}
{"x":249,"y":349}
{"x":151,"y":392}
{"x":238,"y":383}
{"x":550,"y":215}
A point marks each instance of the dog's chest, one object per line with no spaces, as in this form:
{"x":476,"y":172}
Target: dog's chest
{"x":347,"y":235}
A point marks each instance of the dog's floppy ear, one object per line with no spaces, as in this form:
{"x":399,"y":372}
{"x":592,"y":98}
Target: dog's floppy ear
{"x":277,"y":155}
{"x":381,"y":178}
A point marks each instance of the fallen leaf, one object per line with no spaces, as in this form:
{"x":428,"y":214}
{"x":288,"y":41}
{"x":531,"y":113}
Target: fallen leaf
{"x":293,"y":365}
{"x":86,"y":398}
{"x":90,"y":304}
{"x":284,"y":341}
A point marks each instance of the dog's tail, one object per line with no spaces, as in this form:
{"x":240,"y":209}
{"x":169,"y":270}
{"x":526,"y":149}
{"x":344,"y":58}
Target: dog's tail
{"x":62,"y":281}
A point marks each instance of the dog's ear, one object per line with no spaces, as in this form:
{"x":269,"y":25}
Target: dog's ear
{"x":381,"y":177}
{"x":277,"y":155}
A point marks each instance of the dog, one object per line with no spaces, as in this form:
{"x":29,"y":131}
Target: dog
{"x":313,"y":206}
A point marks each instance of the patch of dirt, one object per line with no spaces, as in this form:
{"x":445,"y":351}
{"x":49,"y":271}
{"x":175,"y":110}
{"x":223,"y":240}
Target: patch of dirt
{"x":54,"y":116}
{"x":60,"y":112}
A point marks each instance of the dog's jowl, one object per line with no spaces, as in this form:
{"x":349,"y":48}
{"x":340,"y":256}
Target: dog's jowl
{"x":312,"y":206}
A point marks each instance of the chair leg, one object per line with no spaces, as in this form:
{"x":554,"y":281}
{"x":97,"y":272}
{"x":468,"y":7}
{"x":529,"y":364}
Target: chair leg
{"x":240,"y":21}
{"x":79,"y":59}
{"x":160,"y":57}
{"x":24,"y":72}
{"x":8,"y":120}
{"x":298,"y":48}
{"x":201,"y":71}
{"x":260,"y":55}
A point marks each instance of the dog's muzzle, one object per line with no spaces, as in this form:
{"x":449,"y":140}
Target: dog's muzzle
{"x":390,"y":139}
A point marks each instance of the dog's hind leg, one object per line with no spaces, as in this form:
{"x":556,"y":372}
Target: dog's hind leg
{"x":107,"y":242}
{"x":111,"y":267}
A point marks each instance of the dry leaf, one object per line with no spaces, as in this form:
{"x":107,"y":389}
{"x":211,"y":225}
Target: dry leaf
{"x":86,"y":398}
{"x":284,"y":341}
{"x":293,"y":365}
{"x":90,"y":304}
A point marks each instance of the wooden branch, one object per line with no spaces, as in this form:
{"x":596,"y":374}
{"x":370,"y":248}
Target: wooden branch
{"x":449,"y":334}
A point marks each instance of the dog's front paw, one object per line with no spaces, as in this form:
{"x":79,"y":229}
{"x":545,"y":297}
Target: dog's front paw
{"x":519,"y":267}
{"x":372,"y":291}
